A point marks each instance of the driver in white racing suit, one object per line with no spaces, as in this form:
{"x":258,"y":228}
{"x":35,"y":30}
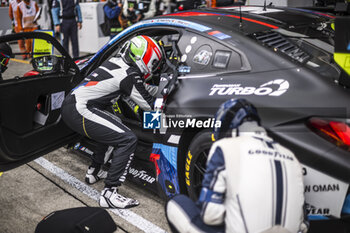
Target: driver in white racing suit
{"x":251,"y":184}
{"x":84,"y":111}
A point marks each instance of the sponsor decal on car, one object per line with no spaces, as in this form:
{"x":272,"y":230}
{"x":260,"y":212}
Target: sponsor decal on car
{"x":184,"y":69}
{"x":324,"y":194}
{"x":165,"y":158}
{"x":178,"y":23}
{"x":141,"y":175}
{"x":202,"y":57}
{"x":312,"y":210}
{"x":266,"y":89}
{"x":322,"y":188}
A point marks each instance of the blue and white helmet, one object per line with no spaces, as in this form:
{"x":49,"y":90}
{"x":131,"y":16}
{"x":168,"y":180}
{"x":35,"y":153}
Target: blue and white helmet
{"x":232,"y":114}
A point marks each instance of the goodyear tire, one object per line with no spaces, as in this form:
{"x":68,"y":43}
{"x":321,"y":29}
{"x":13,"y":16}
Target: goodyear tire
{"x":195,"y":163}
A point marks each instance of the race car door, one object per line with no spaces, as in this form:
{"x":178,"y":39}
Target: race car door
{"x":32,"y":90}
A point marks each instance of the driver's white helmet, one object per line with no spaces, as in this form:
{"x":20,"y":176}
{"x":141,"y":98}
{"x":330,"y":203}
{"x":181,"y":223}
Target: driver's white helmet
{"x":145,"y":53}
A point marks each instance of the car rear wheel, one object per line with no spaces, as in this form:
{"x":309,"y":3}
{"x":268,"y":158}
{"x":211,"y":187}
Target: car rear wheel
{"x":195,"y":163}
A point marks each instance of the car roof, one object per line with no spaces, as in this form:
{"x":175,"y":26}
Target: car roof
{"x":254,"y":18}
{"x":226,"y":20}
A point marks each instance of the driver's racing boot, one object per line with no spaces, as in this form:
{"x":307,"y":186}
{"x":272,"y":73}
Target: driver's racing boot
{"x":94,"y":174}
{"x":110,"y":198}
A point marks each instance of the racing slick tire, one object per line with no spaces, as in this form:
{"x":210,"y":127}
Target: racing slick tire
{"x":195,"y":163}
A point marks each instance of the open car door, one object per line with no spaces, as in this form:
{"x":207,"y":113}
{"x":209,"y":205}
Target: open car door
{"x":32,"y":90}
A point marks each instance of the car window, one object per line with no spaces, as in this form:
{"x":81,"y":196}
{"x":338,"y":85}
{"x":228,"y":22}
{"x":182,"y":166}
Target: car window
{"x":203,"y":55}
{"x":167,"y":36}
{"x":164,"y":35}
{"x":43,"y":58}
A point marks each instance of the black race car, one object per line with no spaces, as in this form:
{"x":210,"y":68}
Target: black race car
{"x":280,"y":59}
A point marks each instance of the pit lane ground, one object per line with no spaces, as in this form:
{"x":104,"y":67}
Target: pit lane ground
{"x":55,"y":182}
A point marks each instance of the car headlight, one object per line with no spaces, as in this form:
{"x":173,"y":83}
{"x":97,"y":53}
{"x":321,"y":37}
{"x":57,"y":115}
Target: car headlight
{"x":335,"y":131}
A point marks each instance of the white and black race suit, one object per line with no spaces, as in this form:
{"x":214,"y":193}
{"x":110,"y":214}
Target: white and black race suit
{"x":84,"y":111}
{"x":251,"y":184}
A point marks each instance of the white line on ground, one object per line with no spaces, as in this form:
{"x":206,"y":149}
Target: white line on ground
{"x":128,"y":215}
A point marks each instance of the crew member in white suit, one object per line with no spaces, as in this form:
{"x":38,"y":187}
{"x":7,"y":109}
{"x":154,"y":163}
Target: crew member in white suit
{"x":251,"y":184}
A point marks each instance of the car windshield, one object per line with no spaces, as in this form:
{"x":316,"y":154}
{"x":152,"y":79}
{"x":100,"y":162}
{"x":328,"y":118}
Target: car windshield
{"x":42,"y":58}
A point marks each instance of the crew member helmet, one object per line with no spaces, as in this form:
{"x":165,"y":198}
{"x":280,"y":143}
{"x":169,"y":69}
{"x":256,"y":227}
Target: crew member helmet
{"x":144,"y":52}
{"x":5,"y":55}
{"x":232,"y":114}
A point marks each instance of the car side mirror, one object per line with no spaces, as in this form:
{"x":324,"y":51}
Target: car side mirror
{"x":46,"y":64}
